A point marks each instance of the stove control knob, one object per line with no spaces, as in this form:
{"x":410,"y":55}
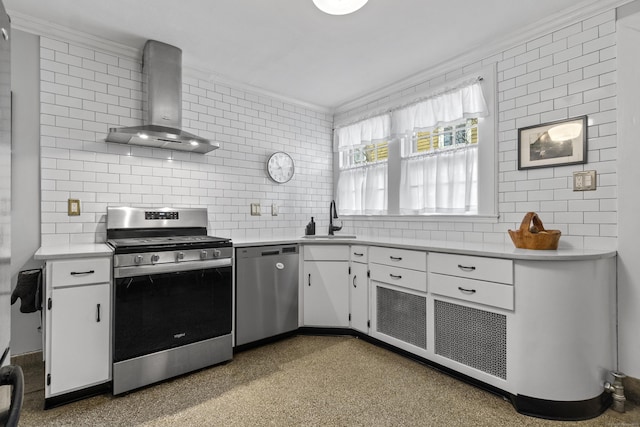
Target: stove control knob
{"x":203,"y":254}
{"x":216,"y":253}
{"x":137,"y":259}
{"x":154,"y":258}
{"x":179,"y":256}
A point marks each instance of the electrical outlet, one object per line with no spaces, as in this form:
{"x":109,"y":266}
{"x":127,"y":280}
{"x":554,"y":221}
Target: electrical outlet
{"x":255,"y":209}
{"x":274,"y":209}
{"x":73,"y":207}
{"x":584,"y":181}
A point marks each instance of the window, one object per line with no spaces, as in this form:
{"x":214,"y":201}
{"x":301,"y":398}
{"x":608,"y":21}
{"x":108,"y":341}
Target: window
{"x":435,"y":156}
{"x":439,"y":170}
{"x":363,"y":150}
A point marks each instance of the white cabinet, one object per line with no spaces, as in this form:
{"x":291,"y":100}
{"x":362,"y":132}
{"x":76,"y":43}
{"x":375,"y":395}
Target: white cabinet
{"x":77,"y":326}
{"x":399,"y":298}
{"x":508,"y":323}
{"x":326,"y":286}
{"x":471,"y":301}
{"x":359,"y":289}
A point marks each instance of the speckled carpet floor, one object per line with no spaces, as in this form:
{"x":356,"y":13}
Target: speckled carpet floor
{"x":301,"y":381}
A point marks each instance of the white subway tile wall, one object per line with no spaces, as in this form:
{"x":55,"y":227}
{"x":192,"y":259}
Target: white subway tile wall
{"x":84,"y":92}
{"x":567,"y":73}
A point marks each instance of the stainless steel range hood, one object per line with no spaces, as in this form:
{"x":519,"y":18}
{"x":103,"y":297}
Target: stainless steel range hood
{"x":162,"y":105}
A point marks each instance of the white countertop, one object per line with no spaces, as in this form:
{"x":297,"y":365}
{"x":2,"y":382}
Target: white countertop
{"x":78,"y":250}
{"x":496,"y":250}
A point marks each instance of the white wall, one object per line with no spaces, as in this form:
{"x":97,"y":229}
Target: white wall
{"x":25,"y":174}
{"x":566,"y":73}
{"x":628,"y":200}
{"x":86,"y":91}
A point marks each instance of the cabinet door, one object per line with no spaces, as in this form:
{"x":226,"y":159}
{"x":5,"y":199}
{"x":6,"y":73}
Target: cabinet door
{"x":359,"y":297}
{"x":80,"y":350}
{"x":326,"y":293}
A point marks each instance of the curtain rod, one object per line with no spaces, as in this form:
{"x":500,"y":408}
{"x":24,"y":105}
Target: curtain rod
{"x":437,"y":92}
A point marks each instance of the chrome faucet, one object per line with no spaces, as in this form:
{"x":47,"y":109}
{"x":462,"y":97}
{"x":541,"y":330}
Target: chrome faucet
{"x":333,"y":215}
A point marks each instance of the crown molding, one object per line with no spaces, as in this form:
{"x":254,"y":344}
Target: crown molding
{"x":40,"y":27}
{"x":579,"y":12}
{"x":48,"y":29}
{"x":199,"y":73}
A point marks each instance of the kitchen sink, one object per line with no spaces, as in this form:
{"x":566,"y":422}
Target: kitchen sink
{"x":327,"y":236}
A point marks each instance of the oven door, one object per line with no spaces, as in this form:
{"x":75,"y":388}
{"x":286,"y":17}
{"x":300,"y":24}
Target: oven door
{"x":158,"y":309}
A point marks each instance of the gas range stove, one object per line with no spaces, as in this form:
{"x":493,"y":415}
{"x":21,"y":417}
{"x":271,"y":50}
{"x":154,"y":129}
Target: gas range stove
{"x":172,"y":303}
{"x":148,"y":237}
{"x":145,"y":244}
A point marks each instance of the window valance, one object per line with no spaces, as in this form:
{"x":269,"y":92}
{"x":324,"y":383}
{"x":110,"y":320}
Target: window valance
{"x":457,"y":104}
{"x":363,"y":132}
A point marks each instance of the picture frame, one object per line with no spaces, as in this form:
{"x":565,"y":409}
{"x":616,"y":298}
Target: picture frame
{"x":558,"y":143}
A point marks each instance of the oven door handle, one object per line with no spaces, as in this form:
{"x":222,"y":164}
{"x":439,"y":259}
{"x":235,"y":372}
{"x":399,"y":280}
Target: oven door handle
{"x":144,"y":270}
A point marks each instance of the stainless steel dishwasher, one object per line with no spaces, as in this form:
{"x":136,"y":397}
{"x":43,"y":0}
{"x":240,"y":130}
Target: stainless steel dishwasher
{"x":266,"y":292}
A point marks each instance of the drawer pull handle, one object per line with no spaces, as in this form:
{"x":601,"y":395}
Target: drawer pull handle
{"x":396,"y":258}
{"x":309,"y":279}
{"x":357,"y":254}
{"x":466,"y":291}
{"x":79,"y":273}
{"x":395,"y":276}
{"x":98,"y":313}
{"x":466,"y":267}
{"x":354,"y":281}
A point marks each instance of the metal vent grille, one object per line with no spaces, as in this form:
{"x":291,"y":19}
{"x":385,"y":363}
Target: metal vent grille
{"x":473,"y":337}
{"x":403,"y":316}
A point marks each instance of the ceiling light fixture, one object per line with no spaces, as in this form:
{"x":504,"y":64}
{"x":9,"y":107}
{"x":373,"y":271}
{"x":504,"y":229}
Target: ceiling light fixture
{"x":339,"y":7}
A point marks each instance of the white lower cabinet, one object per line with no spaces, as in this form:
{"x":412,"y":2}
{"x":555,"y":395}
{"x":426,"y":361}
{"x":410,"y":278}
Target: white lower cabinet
{"x":77,"y":325}
{"x":359,"y":289}
{"x":471,"y":327}
{"x":399,"y":298}
{"x":326,"y":286}
{"x":80,"y":350}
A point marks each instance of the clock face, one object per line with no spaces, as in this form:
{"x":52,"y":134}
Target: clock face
{"x":280,"y":167}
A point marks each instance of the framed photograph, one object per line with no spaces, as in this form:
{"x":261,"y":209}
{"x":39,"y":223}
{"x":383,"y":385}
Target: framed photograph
{"x":559,"y":143}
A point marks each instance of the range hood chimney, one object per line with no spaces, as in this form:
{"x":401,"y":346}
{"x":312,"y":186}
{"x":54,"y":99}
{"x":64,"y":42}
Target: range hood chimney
{"x":162,"y":105}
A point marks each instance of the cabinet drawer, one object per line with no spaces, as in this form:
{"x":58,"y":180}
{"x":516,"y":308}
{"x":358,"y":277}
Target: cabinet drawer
{"x":487,"y":293}
{"x":326,"y":253}
{"x":402,"y":277}
{"x":359,"y":253}
{"x":472,"y":267}
{"x":415,"y":260}
{"x":80,"y":271}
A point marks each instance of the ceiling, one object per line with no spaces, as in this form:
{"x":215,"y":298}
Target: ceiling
{"x":290,"y":49}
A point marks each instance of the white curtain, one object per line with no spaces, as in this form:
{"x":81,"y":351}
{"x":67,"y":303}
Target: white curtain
{"x":363,"y":190}
{"x":446,"y":182}
{"x":463,"y":102}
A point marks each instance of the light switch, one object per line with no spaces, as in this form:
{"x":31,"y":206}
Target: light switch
{"x":255,"y":209}
{"x":73,"y":207}
{"x":274,"y":209}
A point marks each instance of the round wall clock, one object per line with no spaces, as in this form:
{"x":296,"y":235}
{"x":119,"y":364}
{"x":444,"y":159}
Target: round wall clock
{"x":280,"y":167}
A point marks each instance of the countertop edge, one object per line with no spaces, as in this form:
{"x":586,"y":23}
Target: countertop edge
{"x":80,"y":250}
{"x":494,"y":250}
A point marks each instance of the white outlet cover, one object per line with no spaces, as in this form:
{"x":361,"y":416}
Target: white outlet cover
{"x":584,"y":181}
